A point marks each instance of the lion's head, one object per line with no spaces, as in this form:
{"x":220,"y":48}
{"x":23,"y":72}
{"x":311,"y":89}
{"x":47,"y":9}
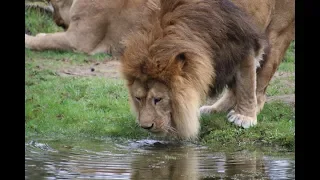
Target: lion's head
{"x":61,"y":14}
{"x":168,"y":73}
{"x":152,"y":101}
{"x":165,"y":108}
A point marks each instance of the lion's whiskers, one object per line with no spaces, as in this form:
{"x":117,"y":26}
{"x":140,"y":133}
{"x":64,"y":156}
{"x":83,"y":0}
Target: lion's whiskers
{"x":169,"y":129}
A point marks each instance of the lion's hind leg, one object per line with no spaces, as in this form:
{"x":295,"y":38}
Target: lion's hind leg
{"x":279,"y":43}
{"x":244,"y":114}
{"x":223,"y":104}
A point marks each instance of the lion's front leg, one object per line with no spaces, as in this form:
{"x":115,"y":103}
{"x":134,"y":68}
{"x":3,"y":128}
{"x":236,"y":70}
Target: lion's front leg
{"x":244,"y":113}
{"x":49,"y":41}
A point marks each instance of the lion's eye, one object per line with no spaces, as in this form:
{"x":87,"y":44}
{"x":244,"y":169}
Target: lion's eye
{"x":138,"y":99}
{"x":156,"y":100}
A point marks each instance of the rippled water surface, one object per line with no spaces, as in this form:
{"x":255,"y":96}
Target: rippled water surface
{"x":148,"y":159}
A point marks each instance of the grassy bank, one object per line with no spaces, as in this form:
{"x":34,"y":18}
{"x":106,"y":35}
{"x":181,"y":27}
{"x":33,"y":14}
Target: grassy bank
{"x":59,"y":104}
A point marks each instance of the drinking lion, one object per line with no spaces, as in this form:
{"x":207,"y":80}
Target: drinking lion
{"x":186,"y":50}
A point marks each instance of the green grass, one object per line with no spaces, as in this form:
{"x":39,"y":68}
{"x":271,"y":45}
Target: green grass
{"x":287,"y":64}
{"x":77,"y":106}
{"x":38,"y":22}
{"x":275,"y":128}
{"x":290,"y":54}
{"x":73,"y":107}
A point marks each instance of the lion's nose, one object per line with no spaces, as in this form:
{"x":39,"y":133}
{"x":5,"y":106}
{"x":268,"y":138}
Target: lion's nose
{"x":146,"y":126}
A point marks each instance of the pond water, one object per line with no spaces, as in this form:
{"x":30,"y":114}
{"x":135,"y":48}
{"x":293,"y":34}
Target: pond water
{"x":148,"y":159}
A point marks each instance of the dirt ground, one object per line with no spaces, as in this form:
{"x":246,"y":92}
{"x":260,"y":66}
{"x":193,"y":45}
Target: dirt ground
{"x":108,"y":69}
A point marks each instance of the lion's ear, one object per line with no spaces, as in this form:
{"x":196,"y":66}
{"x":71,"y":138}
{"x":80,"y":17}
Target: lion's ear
{"x":181,"y":59}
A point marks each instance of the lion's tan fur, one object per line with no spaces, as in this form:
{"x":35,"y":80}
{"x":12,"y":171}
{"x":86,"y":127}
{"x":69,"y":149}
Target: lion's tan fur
{"x":170,"y":48}
{"x":92,"y":27}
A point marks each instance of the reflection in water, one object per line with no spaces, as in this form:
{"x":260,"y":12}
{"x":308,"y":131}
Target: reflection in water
{"x":277,"y":167}
{"x":147,"y":159}
{"x":163,"y":162}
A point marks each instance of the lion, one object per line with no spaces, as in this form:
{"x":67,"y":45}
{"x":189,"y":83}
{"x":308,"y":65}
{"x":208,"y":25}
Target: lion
{"x":91,"y":27}
{"x":187,"y":50}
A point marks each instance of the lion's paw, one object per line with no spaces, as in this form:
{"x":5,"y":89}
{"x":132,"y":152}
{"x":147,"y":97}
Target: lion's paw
{"x":206,"y":110}
{"x":241,"y":120}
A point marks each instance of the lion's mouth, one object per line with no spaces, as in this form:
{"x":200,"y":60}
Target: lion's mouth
{"x":158,"y":130}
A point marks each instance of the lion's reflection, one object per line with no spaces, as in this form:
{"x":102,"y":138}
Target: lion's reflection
{"x":187,"y":162}
{"x":167,"y":163}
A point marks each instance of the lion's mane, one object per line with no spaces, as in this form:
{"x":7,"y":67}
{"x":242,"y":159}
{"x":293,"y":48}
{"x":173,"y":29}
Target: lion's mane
{"x":194,"y":47}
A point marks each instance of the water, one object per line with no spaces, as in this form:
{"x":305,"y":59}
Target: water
{"x":150,"y":160}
